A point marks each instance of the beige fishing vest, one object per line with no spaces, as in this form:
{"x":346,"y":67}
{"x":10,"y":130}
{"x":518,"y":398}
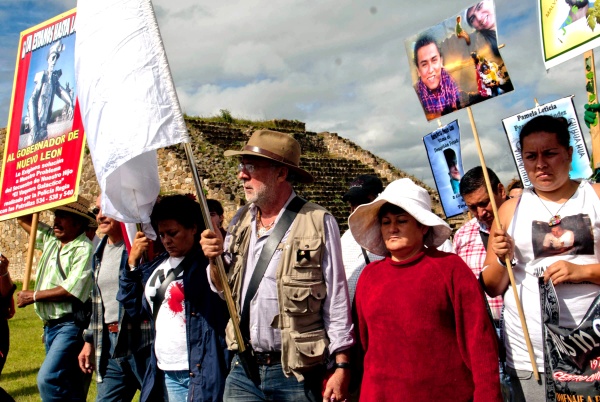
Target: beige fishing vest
{"x":301,"y":288}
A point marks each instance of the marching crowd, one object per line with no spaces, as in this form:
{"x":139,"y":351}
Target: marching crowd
{"x":378,"y":314}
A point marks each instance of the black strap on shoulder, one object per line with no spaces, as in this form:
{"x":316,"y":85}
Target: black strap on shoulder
{"x":265,"y":257}
{"x":367,"y":260}
{"x":171,"y":276}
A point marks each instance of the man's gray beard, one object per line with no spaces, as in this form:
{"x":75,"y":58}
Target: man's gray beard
{"x":577,"y":3}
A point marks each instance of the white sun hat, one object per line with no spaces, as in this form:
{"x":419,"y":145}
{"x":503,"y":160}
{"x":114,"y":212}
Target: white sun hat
{"x":364,"y":222}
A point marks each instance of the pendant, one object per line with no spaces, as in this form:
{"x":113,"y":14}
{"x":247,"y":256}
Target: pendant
{"x":554,"y":221}
{"x":261,"y":232}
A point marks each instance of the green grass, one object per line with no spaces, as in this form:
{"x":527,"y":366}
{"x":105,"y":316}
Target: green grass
{"x":227,"y":117}
{"x":26,"y":356}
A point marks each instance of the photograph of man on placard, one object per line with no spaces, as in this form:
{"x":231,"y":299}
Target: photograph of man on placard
{"x":50,"y":93}
{"x":457,"y":63}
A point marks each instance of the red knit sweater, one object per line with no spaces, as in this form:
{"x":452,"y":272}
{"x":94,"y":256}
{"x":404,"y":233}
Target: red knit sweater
{"x":425,"y":332}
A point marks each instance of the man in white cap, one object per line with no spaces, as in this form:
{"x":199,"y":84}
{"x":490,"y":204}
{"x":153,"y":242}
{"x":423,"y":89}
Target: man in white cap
{"x":288,"y":279}
{"x":63,"y":282}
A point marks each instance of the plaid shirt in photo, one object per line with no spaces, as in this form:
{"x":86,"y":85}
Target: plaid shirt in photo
{"x":443,"y":99}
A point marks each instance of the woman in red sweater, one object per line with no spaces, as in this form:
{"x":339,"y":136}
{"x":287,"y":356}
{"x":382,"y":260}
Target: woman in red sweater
{"x":421,"y":316}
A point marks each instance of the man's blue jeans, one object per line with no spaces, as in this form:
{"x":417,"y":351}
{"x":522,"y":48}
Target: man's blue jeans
{"x":60,"y":378}
{"x":274,"y":385}
{"x":122,"y":376}
{"x":177,"y":384}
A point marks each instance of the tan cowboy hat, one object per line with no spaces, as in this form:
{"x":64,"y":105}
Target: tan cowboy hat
{"x":80,"y":207}
{"x":364,"y":222}
{"x":278,"y":147}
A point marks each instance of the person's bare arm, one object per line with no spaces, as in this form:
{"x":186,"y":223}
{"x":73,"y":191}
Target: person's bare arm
{"x":138,"y":248}
{"x":86,"y":358}
{"x":25,"y":222}
{"x":6,"y":283}
{"x":500,"y":245}
{"x":57,"y":294}
{"x":336,"y":387}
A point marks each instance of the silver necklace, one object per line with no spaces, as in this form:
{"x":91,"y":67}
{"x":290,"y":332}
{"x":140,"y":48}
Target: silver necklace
{"x":555,"y":220}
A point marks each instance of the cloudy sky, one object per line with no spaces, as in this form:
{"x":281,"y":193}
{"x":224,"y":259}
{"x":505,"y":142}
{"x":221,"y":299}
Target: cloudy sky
{"x":339,"y":66}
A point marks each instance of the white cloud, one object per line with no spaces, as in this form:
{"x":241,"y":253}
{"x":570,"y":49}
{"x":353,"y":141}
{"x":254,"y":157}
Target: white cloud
{"x":338,"y":66}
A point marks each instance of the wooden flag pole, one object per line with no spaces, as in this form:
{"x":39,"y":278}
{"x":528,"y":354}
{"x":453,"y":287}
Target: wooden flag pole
{"x":233,"y":313}
{"x":592,"y":97}
{"x":507,"y":260}
{"x":29,"y":261}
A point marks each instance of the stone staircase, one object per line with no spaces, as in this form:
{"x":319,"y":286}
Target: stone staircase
{"x":333,"y":161}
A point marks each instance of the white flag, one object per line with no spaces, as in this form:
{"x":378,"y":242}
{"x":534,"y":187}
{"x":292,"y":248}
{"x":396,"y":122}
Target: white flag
{"x":128,"y":102}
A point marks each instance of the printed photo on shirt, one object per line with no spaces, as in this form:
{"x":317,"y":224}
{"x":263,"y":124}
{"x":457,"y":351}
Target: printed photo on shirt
{"x":572,"y":235}
{"x":457,"y":63}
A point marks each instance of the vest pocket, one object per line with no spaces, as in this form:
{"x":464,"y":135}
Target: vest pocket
{"x":309,"y":252}
{"x":309,"y":349}
{"x":302,"y":298}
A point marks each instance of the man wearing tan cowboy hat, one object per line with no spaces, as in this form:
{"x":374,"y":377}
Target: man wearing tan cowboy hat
{"x":63,"y":280}
{"x":288,"y":279}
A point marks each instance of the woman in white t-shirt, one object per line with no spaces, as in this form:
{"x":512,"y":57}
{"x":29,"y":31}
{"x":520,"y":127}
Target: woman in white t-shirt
{"x":189,"y":361}
{"x":550,"y":233}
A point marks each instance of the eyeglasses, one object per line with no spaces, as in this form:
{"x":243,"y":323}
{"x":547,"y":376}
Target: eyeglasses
{"x":250,"y":167}
{"x":96,"y":210}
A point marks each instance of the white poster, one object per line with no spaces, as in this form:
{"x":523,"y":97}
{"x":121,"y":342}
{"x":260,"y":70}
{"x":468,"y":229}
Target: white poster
{"x":580,"y":167}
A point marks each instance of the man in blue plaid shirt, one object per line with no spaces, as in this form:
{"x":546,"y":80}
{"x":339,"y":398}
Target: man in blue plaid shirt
{"x":116,"y":346}
{"x":437,"y":91}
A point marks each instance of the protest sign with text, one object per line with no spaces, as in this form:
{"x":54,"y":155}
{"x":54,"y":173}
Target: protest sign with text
{"x":44,"y":136}
{"x":443,"y":151}
{"x":580,"y":166}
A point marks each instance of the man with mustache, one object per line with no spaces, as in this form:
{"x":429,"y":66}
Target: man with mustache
{"x":437,"y":91}
{"x":470,"y":241}
{"x":63,"y":278}
{"x":295,"y":310}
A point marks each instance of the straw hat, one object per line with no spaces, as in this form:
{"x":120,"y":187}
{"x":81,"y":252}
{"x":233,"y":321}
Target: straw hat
{"x":93,"y":224}
{"x":278,"y":147}
{"x":364,"y":222}
{"x":80,"y":207}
